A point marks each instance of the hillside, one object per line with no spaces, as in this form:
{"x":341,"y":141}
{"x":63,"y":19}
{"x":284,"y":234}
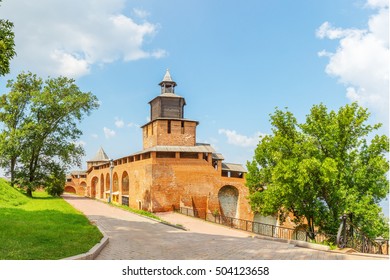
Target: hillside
{"x":42,"y":227}
{"x":10,"y":196}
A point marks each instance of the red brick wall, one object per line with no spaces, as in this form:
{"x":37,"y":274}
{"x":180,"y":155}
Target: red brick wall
{"x":161,"y":183}
{"x":77,"y":184}
{"x":139,"y":182}
{"x":193,"y":182}
{"x":156,"y":133}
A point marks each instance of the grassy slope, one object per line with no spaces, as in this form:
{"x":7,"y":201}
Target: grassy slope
{"x":10,"y":196}
{"x":42,"y":227}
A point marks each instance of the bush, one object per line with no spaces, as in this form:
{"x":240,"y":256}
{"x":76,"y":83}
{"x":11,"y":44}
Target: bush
{"x":55,"y":184}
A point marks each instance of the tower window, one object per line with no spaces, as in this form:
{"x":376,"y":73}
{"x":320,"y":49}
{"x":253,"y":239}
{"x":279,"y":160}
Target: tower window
{"x":182,"y":127}
{"x":169,"y":127}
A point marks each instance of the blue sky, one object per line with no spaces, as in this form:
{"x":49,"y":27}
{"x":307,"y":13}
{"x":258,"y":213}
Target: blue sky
{"x":233,"y":61}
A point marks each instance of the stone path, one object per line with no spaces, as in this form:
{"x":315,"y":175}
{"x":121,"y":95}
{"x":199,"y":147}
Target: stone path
{"x":133,"y":237}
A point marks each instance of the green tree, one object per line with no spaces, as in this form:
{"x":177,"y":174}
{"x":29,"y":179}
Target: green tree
{"x":55,"y":181}
{"x":46,"y":141}
{"x":14,"y":108}
{"x":320,"y":169}
{"x":7,"y":45}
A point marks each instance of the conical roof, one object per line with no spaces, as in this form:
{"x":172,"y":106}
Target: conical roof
{"x":100,"y":156}
{"x":168,"y":79}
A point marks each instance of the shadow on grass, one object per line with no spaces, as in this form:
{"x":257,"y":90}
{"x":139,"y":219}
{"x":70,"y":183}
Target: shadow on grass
{"x":44,"y":198}
{"x":44,"y":234}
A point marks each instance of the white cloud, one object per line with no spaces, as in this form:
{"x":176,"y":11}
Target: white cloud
{"x":378,"y":3}
{"x":95,"y":136}
{"x":69,"y":37}
{"x":109,"y":133}
{"x":141,"y":13}
{"x":240,"y":140}
{"x":326,"y":30}
{"x":80,"y":143}
{"x":68,"y":64}
{"x":131,"y":124}
{"x":119,"y":123}
{"x":361,"y":60}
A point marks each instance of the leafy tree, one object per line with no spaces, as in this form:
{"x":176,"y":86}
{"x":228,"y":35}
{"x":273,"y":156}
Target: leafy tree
{"x":46,"y":138}
{"x":7,"y":45}
{"x":320,"y":169}
{"x":55,"y":181}
{"x":14,"y":108}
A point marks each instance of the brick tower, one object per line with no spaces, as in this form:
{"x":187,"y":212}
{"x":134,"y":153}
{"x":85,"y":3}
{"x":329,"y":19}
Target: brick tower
{"x":172,"y":171}
{"x":167,"y":126}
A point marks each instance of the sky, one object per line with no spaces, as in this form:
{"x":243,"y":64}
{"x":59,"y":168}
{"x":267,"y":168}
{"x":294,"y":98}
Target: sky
{"x":234,"y":62}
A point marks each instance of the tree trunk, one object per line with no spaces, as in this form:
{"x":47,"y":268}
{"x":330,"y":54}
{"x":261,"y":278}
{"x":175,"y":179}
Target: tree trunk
{"x":312,"y":235}
{"x":12,"y":171}
{"x":29,"y":192}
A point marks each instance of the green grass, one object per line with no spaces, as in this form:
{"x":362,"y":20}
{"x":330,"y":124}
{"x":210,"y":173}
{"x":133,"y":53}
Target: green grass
{"x":331,"y":245}
{"x":139,"y":212}
{"x":145,"y":214}
{"x":10,"y":196}
{"x":42,"y":227}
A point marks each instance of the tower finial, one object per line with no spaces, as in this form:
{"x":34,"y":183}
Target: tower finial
{"x":167,"y":84}
{"x":167,"y":76}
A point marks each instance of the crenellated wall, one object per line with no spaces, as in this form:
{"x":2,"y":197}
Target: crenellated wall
{"x":161,"y":184}
{"x":169,"y":133}
{"x":173,"y":170}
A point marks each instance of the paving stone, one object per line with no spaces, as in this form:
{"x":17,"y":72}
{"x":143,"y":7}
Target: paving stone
{"x":133,"y":237}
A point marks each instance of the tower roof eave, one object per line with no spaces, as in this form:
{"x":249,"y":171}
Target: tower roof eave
{"x":168,"y":95}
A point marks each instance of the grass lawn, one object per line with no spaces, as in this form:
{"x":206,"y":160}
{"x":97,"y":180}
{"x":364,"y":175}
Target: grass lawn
{"x":137,"y":211}
{"x":42,"y":227}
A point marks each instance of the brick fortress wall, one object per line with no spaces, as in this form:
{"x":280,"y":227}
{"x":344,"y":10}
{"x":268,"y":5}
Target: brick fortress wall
{"x":172,"y":170}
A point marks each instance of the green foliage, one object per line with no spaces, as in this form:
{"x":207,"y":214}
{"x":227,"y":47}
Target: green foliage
{"x":321,"y":169}
{"x":39,"y":139}
{"x":13,"y":114}
{"x":7,"y":45}
{"x":55,"y":182}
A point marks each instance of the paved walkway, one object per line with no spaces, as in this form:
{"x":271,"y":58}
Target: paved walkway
{"x":133,"y":237}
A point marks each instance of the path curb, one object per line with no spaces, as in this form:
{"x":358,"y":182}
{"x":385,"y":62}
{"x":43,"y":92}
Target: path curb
{"x":94,"y":251}
{"x":319,"y":247}
{"x":296,"y":243}
{"x":309,"y":245}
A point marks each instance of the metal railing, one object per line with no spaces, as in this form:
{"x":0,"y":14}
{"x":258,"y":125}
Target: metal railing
{"x":259,"y":228}
{"x":350,"y":236}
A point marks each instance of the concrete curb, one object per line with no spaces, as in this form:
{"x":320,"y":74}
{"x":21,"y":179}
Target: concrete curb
{"x":319,"y":247}
{"x":377,"y":256}
{"x":309,"y":245}
{"x":296,"y":243}
{"x":172,"y":225}
{"x":94,"y":251}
